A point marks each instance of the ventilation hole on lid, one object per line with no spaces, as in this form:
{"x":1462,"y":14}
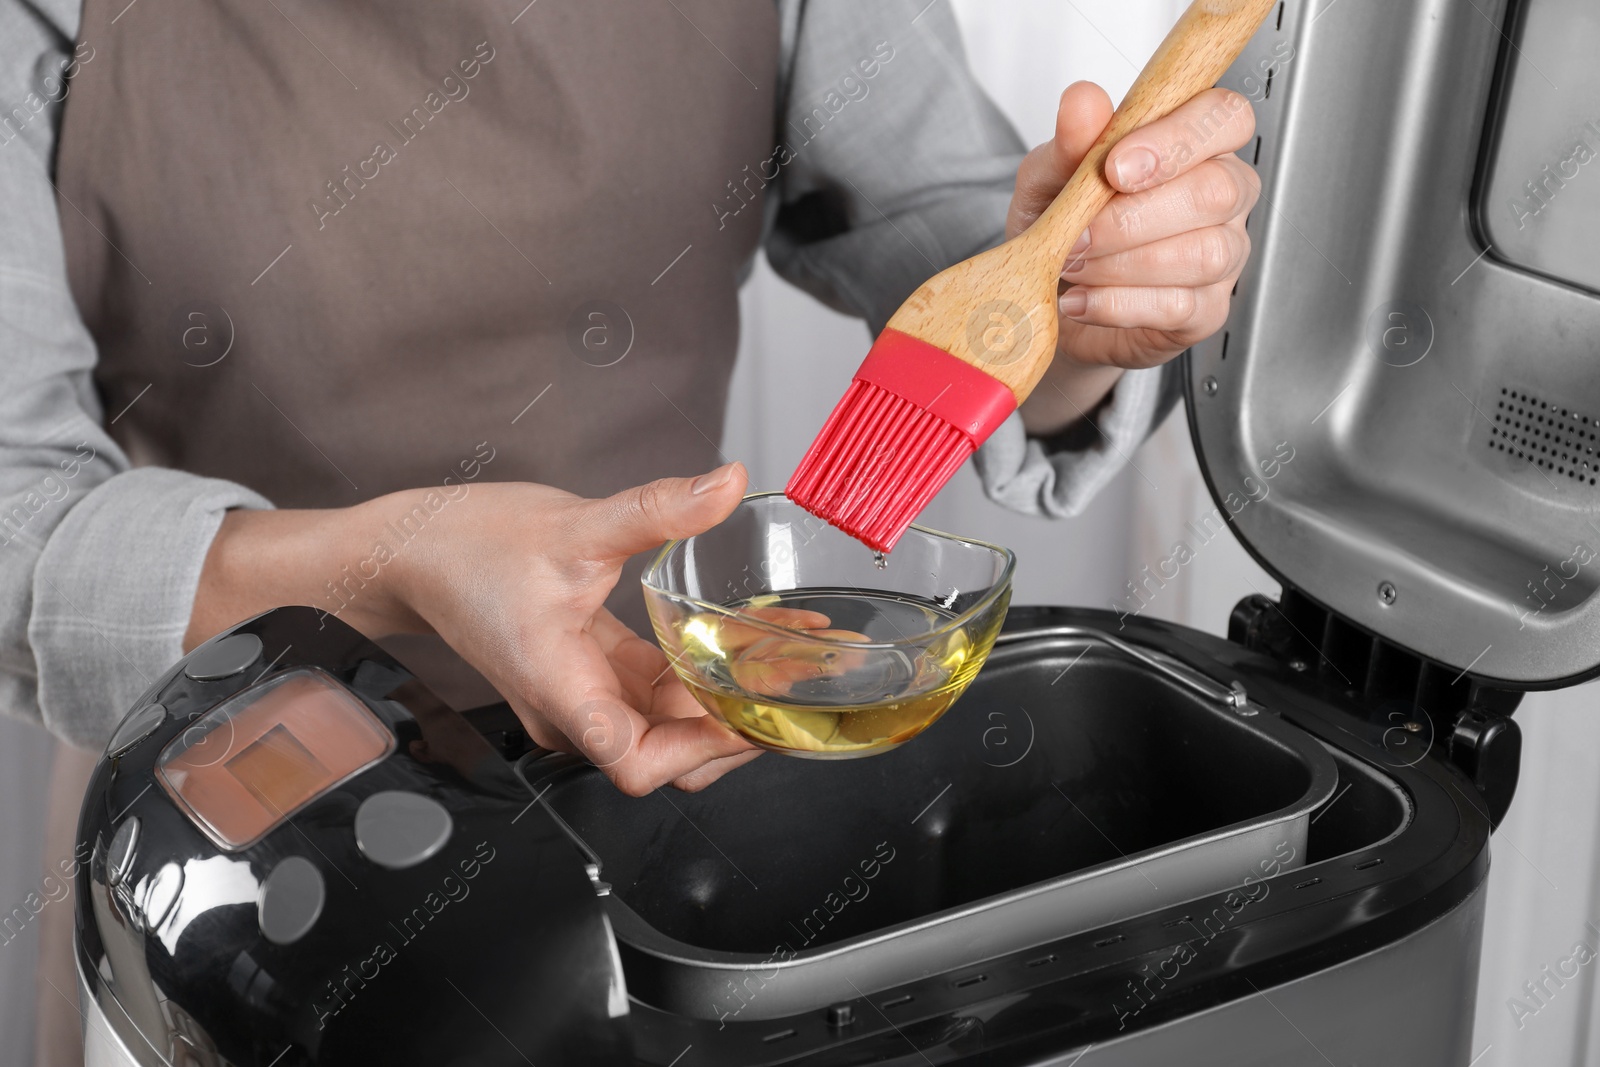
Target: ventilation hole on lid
{"x":1309,"y":883}
{"x":1040,"y":962}
{"x":1225,"y":337}
{"x":781,"y":1035}
{"x":1280,"y":17}
{"x":1256,"y":161}
{"x":1103,"y":942}
{"x":1554,"y":437}
{"x":1369,"y":864}
{"x":974,"y":980}
{"x":1179,"y":921}
{"x":896,"y":1002}
{"x":1266,"y":94}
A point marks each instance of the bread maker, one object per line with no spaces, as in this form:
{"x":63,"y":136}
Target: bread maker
{"x":1130,"y":842}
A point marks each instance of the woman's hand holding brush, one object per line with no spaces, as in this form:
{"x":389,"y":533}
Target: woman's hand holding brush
{"x":1159,"y":263}
{"x":975,"y":341}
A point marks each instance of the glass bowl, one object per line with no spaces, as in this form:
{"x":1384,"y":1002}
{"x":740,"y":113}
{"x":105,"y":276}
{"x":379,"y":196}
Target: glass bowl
{"x":804,"y":641}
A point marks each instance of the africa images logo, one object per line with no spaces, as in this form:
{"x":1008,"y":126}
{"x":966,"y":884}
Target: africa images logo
{"x":999,"y":332}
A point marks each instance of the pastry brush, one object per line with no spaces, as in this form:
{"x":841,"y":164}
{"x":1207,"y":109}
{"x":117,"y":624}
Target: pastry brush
{"x":970,"y":345}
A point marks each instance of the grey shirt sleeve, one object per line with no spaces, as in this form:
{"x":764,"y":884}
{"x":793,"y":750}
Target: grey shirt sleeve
{"x":98,"y":562}
{"x":892,"y":164}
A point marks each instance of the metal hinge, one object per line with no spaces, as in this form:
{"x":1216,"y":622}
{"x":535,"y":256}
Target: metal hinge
{"x":1463,"y":721}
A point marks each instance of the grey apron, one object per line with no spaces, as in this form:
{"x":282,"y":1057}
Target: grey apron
{"x":333,"y":250}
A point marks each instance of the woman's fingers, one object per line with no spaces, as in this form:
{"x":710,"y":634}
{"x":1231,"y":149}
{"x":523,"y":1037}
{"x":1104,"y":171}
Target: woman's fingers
{"x":672,"y":700}
{"x":1214,"y":193}
{"x":1153,"y":273}
{"x":1081,"y":117}
{"x":638,"y":519}
{"x":673,"y":748}
{"x":578,"y":694}
{"x":697,"y":780}
{"x":1198,"y":258}
{"x":515,"y":582}
{"x":1181,"y":316}
{"x":637,"y":754}
{"x":791,"y":618}
{"x":1216,"y":122}
{"x":638,"y":663}
{"x":734,"y":634}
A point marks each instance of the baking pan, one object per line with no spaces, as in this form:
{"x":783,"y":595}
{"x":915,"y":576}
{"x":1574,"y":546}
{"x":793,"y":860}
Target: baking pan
{"x":1080,"y":781}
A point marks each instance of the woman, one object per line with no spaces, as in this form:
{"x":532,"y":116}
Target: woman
{"x":440,"y":282}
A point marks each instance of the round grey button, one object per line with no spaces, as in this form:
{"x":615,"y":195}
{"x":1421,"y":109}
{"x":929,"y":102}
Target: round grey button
{"x":399,"y":830}
{"x":119,"y":857}
{"x":136,"y":728}
{"x":291,"y":900}
{"x":221,"y":659}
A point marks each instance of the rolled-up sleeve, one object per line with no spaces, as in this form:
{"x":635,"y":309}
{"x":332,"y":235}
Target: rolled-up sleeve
{"x":892,"y":164}
{"x":1059,"y":477}
{"x":98,"y":562}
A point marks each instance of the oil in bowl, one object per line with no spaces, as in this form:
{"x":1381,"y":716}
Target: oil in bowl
{"x":828,"y":672}
{"x":822,"y":672}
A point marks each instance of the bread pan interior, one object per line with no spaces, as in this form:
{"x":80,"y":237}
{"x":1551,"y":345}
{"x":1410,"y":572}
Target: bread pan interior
{"x":1068,"y":788}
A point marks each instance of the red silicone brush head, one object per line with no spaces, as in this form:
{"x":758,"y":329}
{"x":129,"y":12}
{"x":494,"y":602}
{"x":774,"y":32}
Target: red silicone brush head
{"x":876,"y":464}
{"x":909,"y":420}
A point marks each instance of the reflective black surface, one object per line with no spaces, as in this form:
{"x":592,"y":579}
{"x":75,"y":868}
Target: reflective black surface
{"x":494,"y":950}
{"x":421,"y":965}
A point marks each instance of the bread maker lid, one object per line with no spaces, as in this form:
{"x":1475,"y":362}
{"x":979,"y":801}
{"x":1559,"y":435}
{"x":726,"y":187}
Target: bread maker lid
{"x":1401,"y":419}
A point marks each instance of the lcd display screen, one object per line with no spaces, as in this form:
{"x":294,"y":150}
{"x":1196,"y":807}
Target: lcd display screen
{"x":252,"y":762}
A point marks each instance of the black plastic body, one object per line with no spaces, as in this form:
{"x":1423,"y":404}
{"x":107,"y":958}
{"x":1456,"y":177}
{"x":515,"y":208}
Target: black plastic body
{"x":1423,"y":705}
{"x":522,"y":969}
{"x":334,"y":997}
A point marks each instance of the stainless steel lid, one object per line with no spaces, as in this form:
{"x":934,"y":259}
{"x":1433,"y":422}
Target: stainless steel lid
{"x":1403,"y":415}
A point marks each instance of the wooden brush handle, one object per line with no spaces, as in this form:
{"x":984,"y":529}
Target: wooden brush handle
{"x":976,"y":309}
{"x":1199,"y":49}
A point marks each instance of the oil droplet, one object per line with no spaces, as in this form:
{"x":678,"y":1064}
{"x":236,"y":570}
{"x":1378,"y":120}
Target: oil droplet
{"x":880,"y":561}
